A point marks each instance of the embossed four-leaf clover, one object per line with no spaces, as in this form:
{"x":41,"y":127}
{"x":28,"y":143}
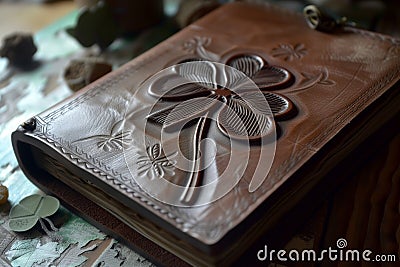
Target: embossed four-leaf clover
{"x":202,"y":89}
{"x":244,"y":114}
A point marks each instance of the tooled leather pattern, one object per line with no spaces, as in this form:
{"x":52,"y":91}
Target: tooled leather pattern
{"x":109,"y":175}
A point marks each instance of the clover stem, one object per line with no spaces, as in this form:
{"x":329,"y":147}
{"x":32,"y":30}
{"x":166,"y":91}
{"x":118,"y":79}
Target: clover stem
{"x":51,"y":234}
{"x":196,"y":174}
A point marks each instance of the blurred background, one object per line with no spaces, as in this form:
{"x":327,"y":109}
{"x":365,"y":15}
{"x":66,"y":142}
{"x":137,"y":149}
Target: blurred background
{"x":32,"y":15}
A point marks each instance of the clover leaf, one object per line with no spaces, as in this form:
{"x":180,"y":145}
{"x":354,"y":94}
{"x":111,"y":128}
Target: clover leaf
{"x":30,"y":210}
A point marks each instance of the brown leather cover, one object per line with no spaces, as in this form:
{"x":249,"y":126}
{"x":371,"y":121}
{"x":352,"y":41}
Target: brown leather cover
{"x":328,"y":93}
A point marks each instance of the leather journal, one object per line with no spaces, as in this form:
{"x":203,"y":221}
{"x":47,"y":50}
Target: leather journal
{"x":197,"y":148}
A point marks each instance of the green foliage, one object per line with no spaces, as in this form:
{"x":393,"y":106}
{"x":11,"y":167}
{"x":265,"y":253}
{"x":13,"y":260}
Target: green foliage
{"x":77,"y":231}
{"x":32,"y":252}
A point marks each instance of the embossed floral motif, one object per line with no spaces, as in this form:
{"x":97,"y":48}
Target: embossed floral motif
{"x":311,"y":79}
{"x":289,"y":52}
{"x":155,"y":163}
{"x":198,"y":45}
{"x":320,"y":78}
{"x":117,"y":139}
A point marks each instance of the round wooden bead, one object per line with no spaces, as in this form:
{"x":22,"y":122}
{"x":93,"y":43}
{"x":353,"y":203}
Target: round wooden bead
{"x":3,"y":194}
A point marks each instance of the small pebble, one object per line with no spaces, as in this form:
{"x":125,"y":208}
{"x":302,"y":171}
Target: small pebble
{"x":81,"y":72}
{"x":3,"y":194}
{"x":19,"y":49}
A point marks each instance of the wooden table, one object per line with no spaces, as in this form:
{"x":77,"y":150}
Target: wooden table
{"x":31,"y":17}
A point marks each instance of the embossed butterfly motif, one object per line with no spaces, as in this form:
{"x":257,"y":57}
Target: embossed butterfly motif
{"x":117,"y":139}
{"x":205,"y":89}
{"x":289,"y":52}
{"x":155,"y":163}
